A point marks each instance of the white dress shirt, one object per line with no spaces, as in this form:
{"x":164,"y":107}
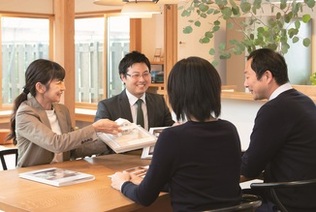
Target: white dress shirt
{"x":132,"y":101}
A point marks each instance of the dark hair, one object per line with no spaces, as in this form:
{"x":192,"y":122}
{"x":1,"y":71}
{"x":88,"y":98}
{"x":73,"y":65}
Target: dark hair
{"x":194,"y":89}
{"x":266,"y":59}
{"x":131,"y":58}
{"x":43,"y":71}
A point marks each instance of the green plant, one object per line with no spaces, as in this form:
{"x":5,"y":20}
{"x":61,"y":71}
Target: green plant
{"x":274,"y":34}
{"x":313,"y":78}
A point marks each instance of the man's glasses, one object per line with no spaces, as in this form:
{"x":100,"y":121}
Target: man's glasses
{"x":138,"y":75}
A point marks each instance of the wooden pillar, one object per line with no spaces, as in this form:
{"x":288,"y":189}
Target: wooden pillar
{"x":135,"y":35}
{"x":171,"y":39}
{"x":64,"y":48}
{"x":236,"y":64}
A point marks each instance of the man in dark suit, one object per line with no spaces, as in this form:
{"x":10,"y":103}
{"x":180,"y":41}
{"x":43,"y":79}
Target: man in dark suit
{"x":283,"y":142}
{"x":134,"y":70}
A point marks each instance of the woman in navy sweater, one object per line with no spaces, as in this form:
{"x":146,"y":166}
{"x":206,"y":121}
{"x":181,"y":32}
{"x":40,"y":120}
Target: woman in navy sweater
{"x":197,"y":161}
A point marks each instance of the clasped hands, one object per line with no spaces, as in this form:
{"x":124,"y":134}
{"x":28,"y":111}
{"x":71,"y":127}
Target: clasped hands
{"x":119,"y":178}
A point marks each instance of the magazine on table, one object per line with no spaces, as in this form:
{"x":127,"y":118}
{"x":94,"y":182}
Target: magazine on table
{"x":148,"y":151}
{"x":57,"y":176}
{"x":131,"y":138}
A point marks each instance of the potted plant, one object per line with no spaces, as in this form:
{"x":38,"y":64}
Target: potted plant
{"x":313,"y":78}
{"x":275,"y":33}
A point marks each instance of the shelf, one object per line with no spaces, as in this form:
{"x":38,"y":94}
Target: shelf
{"x":157,"y":85}
{"x":157,"y":63}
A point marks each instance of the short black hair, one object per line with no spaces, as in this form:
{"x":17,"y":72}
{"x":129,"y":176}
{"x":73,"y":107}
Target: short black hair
{"x":130,"y":59}
{"x":266,"y":59}
{"x":194,"y":89}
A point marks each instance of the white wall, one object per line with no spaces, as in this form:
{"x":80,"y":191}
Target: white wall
{"x":189,"y":43}
{"x":152,"y":35}
{"x":242,"y":114}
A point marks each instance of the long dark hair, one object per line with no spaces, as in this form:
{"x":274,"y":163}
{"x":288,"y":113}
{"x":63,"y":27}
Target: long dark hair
{"x":194,"y":89}
{"x":43,"y":71}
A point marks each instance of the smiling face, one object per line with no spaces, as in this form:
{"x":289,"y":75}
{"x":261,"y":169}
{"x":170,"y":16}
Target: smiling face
{"x":51,"y":93}
{"x":137,"y":79}
{"x":260,"y":89}
{"x":56,"y":89}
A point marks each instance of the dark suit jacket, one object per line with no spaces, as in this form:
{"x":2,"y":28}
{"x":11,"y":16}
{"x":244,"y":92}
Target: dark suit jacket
{"x":119,"y":107}
{"x":283,"y":144}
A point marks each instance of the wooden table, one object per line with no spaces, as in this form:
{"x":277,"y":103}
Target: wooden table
{"x":18,"y":194}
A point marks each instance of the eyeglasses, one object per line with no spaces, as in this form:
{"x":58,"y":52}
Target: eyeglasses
{"x":138,"y":75}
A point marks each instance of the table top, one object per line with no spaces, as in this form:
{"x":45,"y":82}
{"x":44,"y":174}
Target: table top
{"x":7,"y":146}
{"x":19,"y":194}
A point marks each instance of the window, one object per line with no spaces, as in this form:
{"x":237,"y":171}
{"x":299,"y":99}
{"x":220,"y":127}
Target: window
{"x":100,"y":43}
{"x":23,"y":40}
{"x":97,"y":73}
{"x":118,"y":46}
{"x":89,"y":45}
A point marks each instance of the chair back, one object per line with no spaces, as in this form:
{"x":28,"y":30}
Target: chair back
{"x":249,"y":203}
{"x":8,"y":152}
{"x":272,"y":187}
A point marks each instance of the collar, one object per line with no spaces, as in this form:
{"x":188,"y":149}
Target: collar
{"x":132,"y":99}
{"x":280,"y":89}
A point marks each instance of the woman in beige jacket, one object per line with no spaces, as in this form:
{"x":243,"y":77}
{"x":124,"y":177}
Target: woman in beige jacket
{"x":41,"y":127}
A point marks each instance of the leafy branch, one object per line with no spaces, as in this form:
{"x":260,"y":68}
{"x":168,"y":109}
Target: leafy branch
{"x":274,"y":34}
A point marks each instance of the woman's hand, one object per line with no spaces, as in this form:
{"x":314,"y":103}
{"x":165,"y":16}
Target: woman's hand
{"x":119,"y":178}
{"x":106,"y":126}
{"x":137,"y":178}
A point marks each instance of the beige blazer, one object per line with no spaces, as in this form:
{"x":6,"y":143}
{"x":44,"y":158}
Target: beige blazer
{"x":37,"y":143}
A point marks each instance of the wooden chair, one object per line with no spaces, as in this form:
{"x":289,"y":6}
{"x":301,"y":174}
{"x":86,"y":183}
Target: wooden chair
{"x":8,"y":152}
{"x":279,"y":185}
{"x":249,"y":203}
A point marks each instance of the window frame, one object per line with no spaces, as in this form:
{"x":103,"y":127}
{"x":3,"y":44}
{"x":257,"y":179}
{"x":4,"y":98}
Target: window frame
{"x":6,"y":108}
{"x":135,"y":44}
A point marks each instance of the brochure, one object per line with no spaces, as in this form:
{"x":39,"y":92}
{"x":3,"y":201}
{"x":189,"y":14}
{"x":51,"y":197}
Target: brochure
{"x":57,"y":176}
{"x":131,"y":138}
{"x":148,"y":151}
